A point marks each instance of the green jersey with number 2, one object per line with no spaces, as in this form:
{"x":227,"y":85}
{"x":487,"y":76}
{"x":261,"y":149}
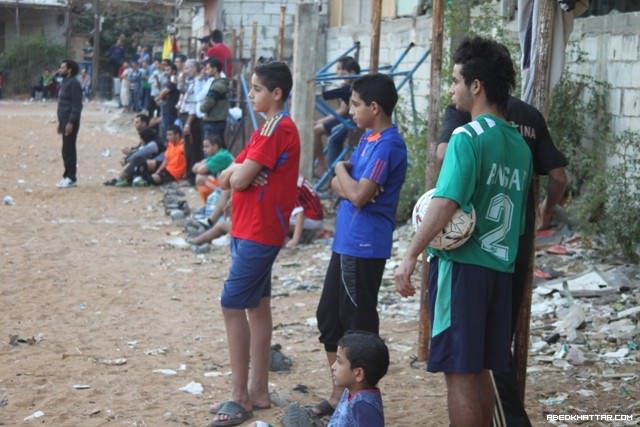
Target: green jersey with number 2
{"x":487,"y":165}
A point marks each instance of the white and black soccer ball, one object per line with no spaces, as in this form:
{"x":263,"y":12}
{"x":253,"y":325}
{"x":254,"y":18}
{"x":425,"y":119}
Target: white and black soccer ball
{"x":455,"y":234}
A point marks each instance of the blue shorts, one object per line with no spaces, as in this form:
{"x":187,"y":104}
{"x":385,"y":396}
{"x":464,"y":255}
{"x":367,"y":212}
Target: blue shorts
{"x":470,"y":309}
{"x":249,"y":278}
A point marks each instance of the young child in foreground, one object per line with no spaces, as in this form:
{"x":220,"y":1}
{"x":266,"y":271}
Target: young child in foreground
{"x":361,"y":361}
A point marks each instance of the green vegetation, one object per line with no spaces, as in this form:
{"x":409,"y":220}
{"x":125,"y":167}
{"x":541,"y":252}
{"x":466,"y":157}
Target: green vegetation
{"x":24,"y":61}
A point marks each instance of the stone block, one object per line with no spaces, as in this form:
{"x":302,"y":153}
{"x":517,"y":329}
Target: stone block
{"x":631,"y":103}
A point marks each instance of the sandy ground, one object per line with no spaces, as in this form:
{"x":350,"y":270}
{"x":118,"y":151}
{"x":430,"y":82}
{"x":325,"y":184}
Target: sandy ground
{"x":87,"y":273}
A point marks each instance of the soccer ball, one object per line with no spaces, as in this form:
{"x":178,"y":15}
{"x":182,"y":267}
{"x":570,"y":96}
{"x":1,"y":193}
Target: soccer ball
{"x":455,"y":234}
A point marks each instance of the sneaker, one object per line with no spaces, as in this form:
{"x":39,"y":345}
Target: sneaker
{"x":139,"y":181}
{"x":66,"y":183}
{"x":122,"y":183}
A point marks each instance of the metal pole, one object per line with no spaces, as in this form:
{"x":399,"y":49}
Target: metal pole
{"x":376,"y":19}
{"x":17,"y":20}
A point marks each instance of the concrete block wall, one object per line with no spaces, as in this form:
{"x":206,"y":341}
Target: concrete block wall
{"x":610,"y":48}
{"x":395,"y":36}
{"x":266,"y":13}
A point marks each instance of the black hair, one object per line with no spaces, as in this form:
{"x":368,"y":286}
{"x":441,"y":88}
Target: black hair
{"x":174,"y":67}
{"x":215,"y":139}
{"x":182,"y":57}
{"x":490,"y":63}
{"x":273,"y":75}
{"x":378,"y":88}
{"x":143,"y":118}
{"x":147,"y":135}
{"x":215,"y":63}
{"x":348,"y":63}
{"x":216,"y":36}
{"x":72,"y":65}
{"x":175,"y":129}
{"x":368,"y":351}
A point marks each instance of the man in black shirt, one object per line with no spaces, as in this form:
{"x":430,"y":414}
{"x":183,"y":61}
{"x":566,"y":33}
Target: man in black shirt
{"x":69,"y":110}
{"x":547,"y":160}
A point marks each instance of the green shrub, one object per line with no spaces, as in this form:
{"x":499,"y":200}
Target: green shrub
{"x":620,"y":223}
{"x":24,"y":61}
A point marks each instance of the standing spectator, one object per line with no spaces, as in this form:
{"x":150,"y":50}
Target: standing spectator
{"x":168,"y":97}
{"x":154,"y":87}
{"x":116,"y":56}
{"x":263,"y":180}
{"x":135,"y":87}
{"x":145,"y":86}
{"x":216,"y":104}
{"x":368,"y":185}
{"x":69,"y":110}
{"x":470,"y":287}
{"x":221,"y":51}
{"x":125,"y":86}
{"x":191,"y":118}
{"x":85,"y":83}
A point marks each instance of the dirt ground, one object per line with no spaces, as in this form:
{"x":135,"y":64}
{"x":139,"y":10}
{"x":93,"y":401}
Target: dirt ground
{"x":91,"y":295}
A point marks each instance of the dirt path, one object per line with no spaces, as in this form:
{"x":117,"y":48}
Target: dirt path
{"x":87,"y":273}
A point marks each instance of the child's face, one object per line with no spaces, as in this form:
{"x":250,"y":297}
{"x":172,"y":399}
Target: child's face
{"x":172,"y":136}
{"x":261,"y":97}
{"x":343,"y":375}
{"x":360,"y":112}
{"x":209,"y":148}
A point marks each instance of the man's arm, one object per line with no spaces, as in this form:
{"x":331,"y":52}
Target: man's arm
{"x":438,"y":215}
{"x":555,"y":190}
{"x":358,"y":192}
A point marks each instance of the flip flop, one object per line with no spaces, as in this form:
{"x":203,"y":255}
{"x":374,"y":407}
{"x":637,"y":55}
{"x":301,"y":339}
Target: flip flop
{"x":213,"y":409}
{"x":236,"y":413}
{"x":322,"y":408}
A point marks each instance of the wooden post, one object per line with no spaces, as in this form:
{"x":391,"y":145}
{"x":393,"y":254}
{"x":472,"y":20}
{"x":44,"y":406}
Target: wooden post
{"x":17,"y":21}
{"x":234,"y":51}
{"x":280,"y":53}
{"x":304,"y":58}
{"x":437,"y":29}
{"x":544,"y":34}
{"x":254,"y":41}
{"x":376,"y":19}
{"x":96,"y":48}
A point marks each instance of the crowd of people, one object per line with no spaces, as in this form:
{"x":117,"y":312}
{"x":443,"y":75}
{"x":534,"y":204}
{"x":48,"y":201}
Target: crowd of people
{"x":260,"y":198}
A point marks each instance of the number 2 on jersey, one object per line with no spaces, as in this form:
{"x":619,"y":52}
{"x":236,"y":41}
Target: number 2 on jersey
{"x":500,"y":211}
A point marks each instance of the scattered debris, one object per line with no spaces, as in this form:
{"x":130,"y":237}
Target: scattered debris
{"x":193,"y":388}
{"x":8,"y":200}
{"x":37,"y":414}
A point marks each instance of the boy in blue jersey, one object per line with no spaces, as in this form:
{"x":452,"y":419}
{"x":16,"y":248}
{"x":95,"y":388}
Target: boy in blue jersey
{"x":369,"y":188}
{"x":487,"y":166}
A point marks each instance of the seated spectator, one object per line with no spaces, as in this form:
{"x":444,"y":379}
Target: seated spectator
{"x":219,"y":222}
{"x":346,"y":66}
{"x":306,"y":217}
{"x":135,"y":169}
{"x":217,"y":159}
{"x":44,"y":82}
{"x":174,"y":165}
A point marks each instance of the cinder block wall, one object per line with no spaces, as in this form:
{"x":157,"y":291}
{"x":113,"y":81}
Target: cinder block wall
{"x":610,"y":47}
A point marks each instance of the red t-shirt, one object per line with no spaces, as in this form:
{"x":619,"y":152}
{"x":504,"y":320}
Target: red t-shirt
{"x":308,"y":200}
{"x":261,"y":214}
{"x":224,"y":55}
{"x":176,"y":162}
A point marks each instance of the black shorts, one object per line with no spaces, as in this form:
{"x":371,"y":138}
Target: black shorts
{"x":470,"y":308}
{"x":349,"y":298}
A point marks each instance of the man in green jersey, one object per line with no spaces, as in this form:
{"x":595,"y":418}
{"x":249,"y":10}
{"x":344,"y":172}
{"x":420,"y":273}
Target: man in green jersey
{"x":487,"y":167}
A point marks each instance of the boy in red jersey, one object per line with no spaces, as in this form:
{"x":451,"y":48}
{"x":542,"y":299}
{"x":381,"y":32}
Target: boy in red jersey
{"x":263,"y":180}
